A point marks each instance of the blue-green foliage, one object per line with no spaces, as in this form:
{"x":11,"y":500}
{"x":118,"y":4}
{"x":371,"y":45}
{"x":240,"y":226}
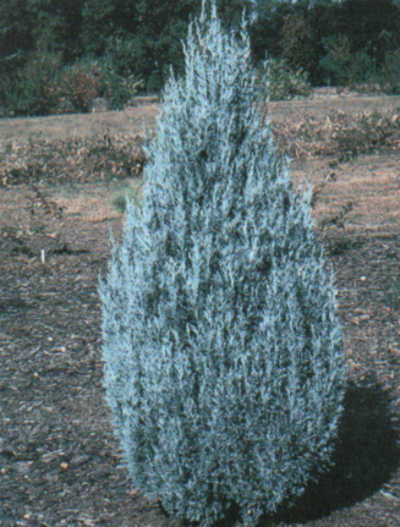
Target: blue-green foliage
{"x":224,"y":366}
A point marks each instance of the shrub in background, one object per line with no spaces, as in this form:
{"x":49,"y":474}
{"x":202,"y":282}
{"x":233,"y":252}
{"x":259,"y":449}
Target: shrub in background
{"x":276,"y":81}
{"x":117,"y":88}
{"x":361,"y":71}
{"x":346,"y":67}
{"x":32,"y":90}
{"x":224,"y":366}
{"x":45,"y":86}
{"x":299,"y":40}
{"x":78,"y":86}
{"x":337,"y":58}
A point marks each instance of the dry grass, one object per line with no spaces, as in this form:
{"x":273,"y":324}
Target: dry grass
{"x":322,"y":136}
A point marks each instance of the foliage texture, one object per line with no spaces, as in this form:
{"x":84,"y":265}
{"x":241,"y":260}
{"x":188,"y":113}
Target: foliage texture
{"x":223,"y":357}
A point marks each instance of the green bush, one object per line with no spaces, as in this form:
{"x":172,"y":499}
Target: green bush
{"x":278,"y":82}
{"x":354,"y":69}
{"x":78,"y":86}
{"x":87,"y":79}
{"x":45,"y":86}
{"x":299,"y":45}
{"x":118,"y":89}
{"x":361,"y":70}
{"x":33,"y":90}
{"x":336,"y":59}
{"x":118,"y":80}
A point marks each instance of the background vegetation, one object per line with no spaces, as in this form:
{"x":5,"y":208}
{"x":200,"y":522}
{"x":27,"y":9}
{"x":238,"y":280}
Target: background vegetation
{"x":58,"y":57}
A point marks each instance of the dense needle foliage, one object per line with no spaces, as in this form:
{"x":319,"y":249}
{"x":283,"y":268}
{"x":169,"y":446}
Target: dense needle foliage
{"x":223,"y":357}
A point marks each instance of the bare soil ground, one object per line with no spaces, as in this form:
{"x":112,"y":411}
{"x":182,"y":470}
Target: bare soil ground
{"x":59,"y":462}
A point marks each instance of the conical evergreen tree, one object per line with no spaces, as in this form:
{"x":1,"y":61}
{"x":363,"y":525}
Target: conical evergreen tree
{"x":224,"y":365}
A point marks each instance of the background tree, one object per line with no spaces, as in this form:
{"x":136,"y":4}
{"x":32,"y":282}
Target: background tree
{"x":266,"y":30}
{"x":16,"y":34}
{"x":371,"y":26}
{"x":48,"y":25}
{"x":156,"y":32}
{"x":139,"y":40}
{"x":302,"y":35}
{"x":103,"y":20}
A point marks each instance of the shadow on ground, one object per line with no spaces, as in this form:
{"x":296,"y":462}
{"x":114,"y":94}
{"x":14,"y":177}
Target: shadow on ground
{"x":367,"y":454}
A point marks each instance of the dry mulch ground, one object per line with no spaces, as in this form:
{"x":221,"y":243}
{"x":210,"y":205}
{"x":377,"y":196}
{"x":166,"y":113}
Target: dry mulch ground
{"x":59,"y":462}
